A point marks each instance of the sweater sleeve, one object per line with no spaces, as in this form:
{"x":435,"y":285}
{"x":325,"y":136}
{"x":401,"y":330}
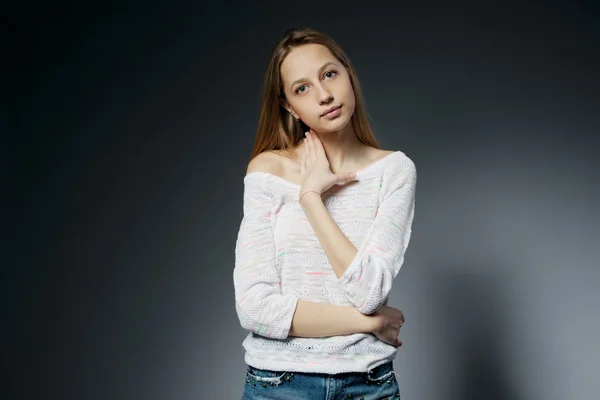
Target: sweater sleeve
{"x":260,"y":306}
{"x":368,"y":279}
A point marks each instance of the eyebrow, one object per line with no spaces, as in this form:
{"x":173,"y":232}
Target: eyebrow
{"x":320,"y":71}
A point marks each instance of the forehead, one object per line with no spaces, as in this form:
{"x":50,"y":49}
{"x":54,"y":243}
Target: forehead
{"x":304,"y":61}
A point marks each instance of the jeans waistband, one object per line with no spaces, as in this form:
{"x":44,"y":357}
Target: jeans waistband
{"x":382,"y":369}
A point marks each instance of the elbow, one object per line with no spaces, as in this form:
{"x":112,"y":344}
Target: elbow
{"x":249,"y":318}
{"x":370,"y":306}
{"x":246,"y":319}
{"x":270,"y":316}
{"x":369,"y":297}
{"x":368,"y":282}
{"x":249,"y":321}
{"x":248,"y":312}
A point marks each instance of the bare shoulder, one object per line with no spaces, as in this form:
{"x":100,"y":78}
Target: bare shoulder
{"x":377,"y":154}
{"x":384,"y":153}
{"x":398,"y":157}
{"x":267,"y":161}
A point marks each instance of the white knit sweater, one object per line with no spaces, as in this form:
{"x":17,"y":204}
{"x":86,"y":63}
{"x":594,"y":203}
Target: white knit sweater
{"x":279,"y":260}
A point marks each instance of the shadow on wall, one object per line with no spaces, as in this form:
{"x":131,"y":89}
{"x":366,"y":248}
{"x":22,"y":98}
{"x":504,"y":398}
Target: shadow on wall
{"x":471,"y":299}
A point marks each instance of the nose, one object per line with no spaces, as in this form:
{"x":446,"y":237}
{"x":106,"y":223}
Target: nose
{"x":325,"y":95}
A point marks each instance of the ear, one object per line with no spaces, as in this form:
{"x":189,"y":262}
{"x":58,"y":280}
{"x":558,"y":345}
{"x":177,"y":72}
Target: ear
{"x":289,"y":109}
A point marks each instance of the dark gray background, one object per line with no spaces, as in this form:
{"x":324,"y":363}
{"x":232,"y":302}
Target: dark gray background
{"x":132,"y":126}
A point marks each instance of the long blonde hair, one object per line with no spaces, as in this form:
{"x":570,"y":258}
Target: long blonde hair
{"x":277,"y":128}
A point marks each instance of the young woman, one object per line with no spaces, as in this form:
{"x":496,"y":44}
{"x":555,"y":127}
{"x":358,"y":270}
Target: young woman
{"x":326,"y":222}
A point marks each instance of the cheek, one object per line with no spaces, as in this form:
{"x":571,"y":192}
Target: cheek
{"x":348,"y":91}
{"x":303,"y":111}
{"x":306,"y":109}
{"x":349,"y":99}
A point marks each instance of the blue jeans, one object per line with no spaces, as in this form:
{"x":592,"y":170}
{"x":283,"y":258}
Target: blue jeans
{"x":378,"y":384}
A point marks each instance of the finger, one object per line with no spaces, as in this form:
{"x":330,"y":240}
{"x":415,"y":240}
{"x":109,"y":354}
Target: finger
{"x":304,"y":155}
{"x":318,"y":145}
{"x":346,"y":177}
{"x":311,"y":156}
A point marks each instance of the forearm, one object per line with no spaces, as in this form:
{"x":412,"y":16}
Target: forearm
{"x":339,"y":250}
{"x":323,"y":319}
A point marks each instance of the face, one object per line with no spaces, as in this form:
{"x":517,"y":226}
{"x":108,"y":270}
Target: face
{"x":314,"y":81}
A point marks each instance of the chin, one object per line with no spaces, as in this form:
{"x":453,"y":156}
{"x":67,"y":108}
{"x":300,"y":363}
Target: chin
{"x":334,"y":125}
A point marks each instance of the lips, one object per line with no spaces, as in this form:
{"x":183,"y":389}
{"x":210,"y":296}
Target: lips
{"x":330,"y":110}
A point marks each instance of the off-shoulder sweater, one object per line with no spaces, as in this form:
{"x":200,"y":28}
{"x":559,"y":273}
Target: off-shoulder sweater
{"x":279,"y":260}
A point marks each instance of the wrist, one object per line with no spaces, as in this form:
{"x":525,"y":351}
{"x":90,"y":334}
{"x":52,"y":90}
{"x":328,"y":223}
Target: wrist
{"x":370,"y":323}
{"x":306,"y":194}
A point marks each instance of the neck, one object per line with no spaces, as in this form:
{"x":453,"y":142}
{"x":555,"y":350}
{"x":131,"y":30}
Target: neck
{"x":342,"y":148}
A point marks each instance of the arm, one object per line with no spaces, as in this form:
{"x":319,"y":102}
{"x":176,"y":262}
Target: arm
{"x":323,"y":319}
{"x":260,"y":305}
{"x":366,"y":274}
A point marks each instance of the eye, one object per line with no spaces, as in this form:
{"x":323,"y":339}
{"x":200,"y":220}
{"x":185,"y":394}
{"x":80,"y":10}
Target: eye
{"x":327,"y":74}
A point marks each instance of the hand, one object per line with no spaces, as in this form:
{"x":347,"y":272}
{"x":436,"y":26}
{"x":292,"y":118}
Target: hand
{"x":388,"y":321}
{"x":315,"y":172}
